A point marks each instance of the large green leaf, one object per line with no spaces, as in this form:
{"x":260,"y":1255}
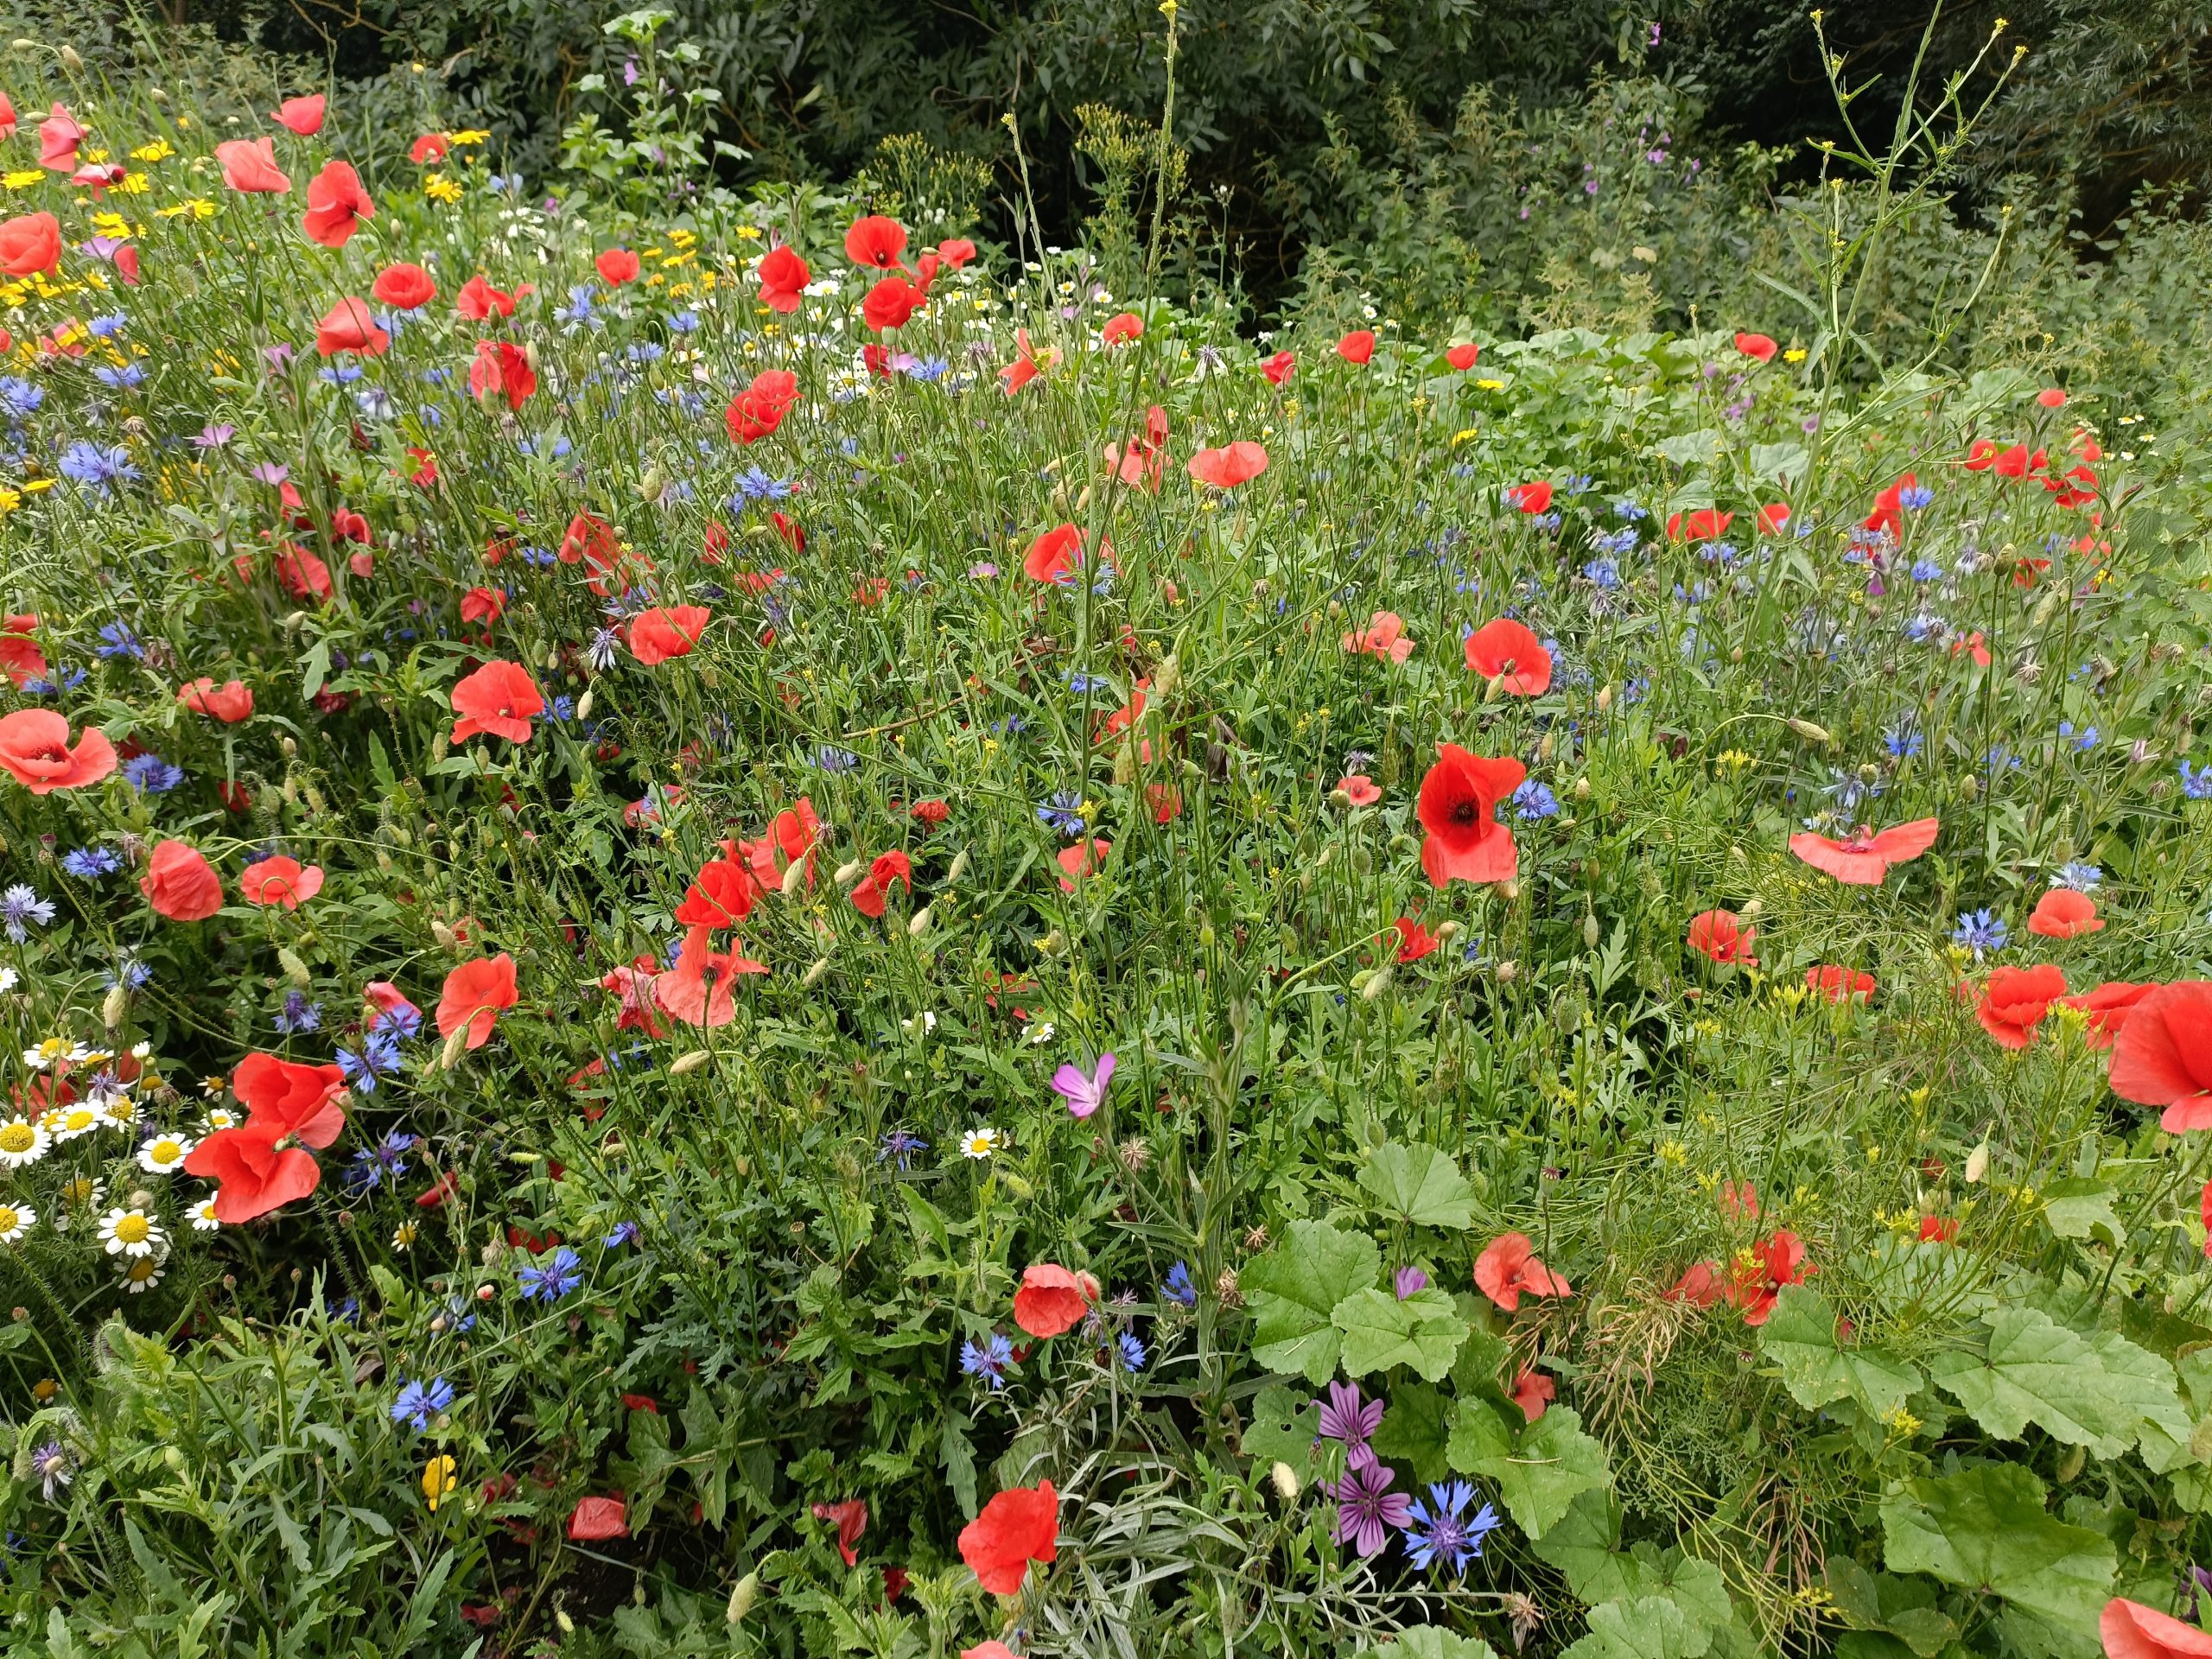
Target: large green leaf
{"x":1538,"y":1472}
{"x":1648,"y":1627}
{"x":2086,"y":1393}
{"x":1423,"y":1330}
{"x":1800,"y":1337}
{"x":1419,"y":1184}
{"x":1295,"y":1288}
{"x":2082,"y":1207}
{"x":1414,"y":1431}
{"x":1984,"y":1528}
{"x":1282,"y":1430}
{"x":1432,"y":1641}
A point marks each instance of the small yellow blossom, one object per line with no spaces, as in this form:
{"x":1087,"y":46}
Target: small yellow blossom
{"x":438,"y":188}
{"x":23,"y":178}
{"x":439,"y":1478}
{"x":159,"y":150}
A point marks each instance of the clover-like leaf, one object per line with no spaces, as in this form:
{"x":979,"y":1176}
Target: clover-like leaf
{"x":1538,"y":1472}
{"x":1423,"y":1330}
{"x":1419,"y":1184}
{"x":1985,"y":1529}
{"x":1296,"y":1287}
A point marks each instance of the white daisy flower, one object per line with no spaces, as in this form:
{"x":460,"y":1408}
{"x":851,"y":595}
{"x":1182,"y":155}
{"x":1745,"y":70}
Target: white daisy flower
{"x":979,"y":1143}
{"x":132,"y":1232}
{"x":1039,"y":1034}
{"x":67,"y":1123}
{"x":143,"y":1273}
{"x":203,"y":1214}
{"x":119,"y":1112}
{"x":53,"y":1049}
{"x":15,"y":1220}
{"x":23,"y":1141}
{"x":164,"y":1154}
{"x":219,"y":1117}
{"x":8,"y":980}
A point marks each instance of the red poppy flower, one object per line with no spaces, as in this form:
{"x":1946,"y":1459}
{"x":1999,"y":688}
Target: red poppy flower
{"x":2015,"y":1000}
{"x":348,"y":325}
{"x":667,"y":631}
{"x":1699,"y":1286}
{"x":483,"y":604}
{"x":1280,"y":367}
{"x":1865,"y":858}
{"x":595,"y":1520}
{"x":1462,"y":357}
{"x":1029,"y":362}
{"x":1939,"y":1230}
{"x":29,"y":245}
{"x":639,"y":1009}
{"x":474,"y":995}
{"x":280,"y":881}
{"x":1720,"y":935}
{"x":20,"y":656}
{"x":35,"y":751}
{"x":1359,"y":789}
{"x":1055,"y":555}
{"x":851,"y":1519}
{"x":1839,"y":984}
{"x":869,"y":896}
{"x":617,"y":266}
{"x":250,"y":167}
{"x":1510,"y":654}
{"x":2108,"y":1008}
{"x":301,"y":115}
{"x":2062,"y":913}
{"x":1706,"y":525}
{"x":1017,"y":1526}
{"x":1357,"y":346}
{"x":254,"y":1173}
{"x":1530,"y":498}
{"x":7,"y":117}
{"x":501,"y":370}
{"x":1508,"y":1269}
{"x":993,"y":1648}
{"x":1080,"y":861}
{"x":721,"y":895}
{"x":956,"y":252}
{"x":1415,"y":941}
{"x":1772,"y":517}
{"x":1128,"y":326}
{"x":230,"y":703}
{"x":1533,"y":1391}
{"x":2163,"y":1055}
{"x":1225,"y":468}
{"x":931,"y":812}
{"x":479,"y":301}
{"x":292,"y":1100}
{"x":2128,"y":1629}
{"x":1051,"y":1299}
{"x":1889,"y":505}
{"x":700,"y":990}
{"x":336,"y":205}
{"x":1458,"y":805}
{"x":790,"y":838}
{"x":2016,"y":463}
{"x":2051,"y":398}
{"x":783,"y":278}
{"x":875,"y":241}
{"x":430,"y":147}
{"x":180,"y":884}
{"x":761,"y":408}
{"x":302,"y":574}
{"x":1975,"y":646}
{"x":59,"y":135}
{"x":1775,"y":1263}
{"x":500,"y":699}
{"x":589,"y":537}
{"x":1756,"y":345}
{"x":890,"y":303}
{"x":1385,"y":639}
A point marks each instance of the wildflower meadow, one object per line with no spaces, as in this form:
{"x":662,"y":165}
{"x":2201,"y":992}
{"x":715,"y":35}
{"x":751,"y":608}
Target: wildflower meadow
{"x":774,"y":920}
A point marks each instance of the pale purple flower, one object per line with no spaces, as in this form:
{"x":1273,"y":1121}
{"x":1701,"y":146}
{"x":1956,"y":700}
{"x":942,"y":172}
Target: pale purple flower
{"x":1409,"y":1281}
{"x":1346,"y":1417}
{"x":1084,"y":1095}
{"x":1367,"y":1510}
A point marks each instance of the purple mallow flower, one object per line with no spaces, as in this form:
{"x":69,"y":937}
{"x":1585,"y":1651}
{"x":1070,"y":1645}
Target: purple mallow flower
{"x":1346,"y":1417}
{"x":1366,"y":1508}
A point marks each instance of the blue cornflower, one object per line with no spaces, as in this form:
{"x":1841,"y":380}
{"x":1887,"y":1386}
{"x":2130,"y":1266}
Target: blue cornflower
{"x":1080,"y":683}
{"x":298,"y":1014}
{"x":19,"y":907}
{"x":19,"y":398}
{"x":754,"y":485}
{"x":386,"y":1160}
{"x":130,"y":973}
{"x":1925,"y":569}
{"x":929,"y":370}
{"x":684,"y":323}
{"x":419,"y":1402}
{"x":151,"y":775}
{"x":2084,"y":739}
{"x":990,"y":1362}
{"x":99,"y":469}
{"x":341,"y":374}
{"x":460,"y":1317}
{"x":90,"y":863}
{"x":563,"y":709}
{"x":119,"y":377}
{"x":378,"y":1058}
{"x":1448,"y":1534}
{"x":832,"y":758}
{"x":552,"y":1278}
{"x":2196,"y":786}
{"x":901,"y":1145}
{"x":1133,"y":1355}
{"x":625,"y":1232}
{"x":646,"y":351}
{"x":1605,"y":573}
{"x":1616,"y":543}
{"x":1177,"y":1288}
{"x":2077,"y":877}
{"x":1062,"y":812}
{"x":577,"y":313}
{"x":1903,"y":742}
{"x":1914,"y":496}
{"x":103,"y":328}
{"x":1532,"y":801}
{"x":1981,"y":931}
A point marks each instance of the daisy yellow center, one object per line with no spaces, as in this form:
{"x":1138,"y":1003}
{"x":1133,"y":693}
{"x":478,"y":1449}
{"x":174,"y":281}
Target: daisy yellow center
{"x":18,"y":1137}
{"x":166,"y":1151}
{"x":144,"y":1268}
{"x":133,"y":1228}
{"x":9,"y":1219}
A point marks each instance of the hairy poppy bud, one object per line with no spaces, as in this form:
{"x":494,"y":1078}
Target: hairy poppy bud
{"x":1605,"y":698}
{"x":455,"y":1047}
{"x":813,"y":976}
{"x":583,"y":705}
{"x":113,"y":1008}
{"x":686,"y":1063}
{"x":849,"y":872}
{"x":1969,"y":788}
{"x":794,"y":877}
{"x":743,"y":1595}
{"x":1508,"y":890}
{"x":1810,"y":732}
{"x":1166,"y":678}
{"x":1978,"y":1164}
{"x":444,"y":935}
{"x":294,"y":970}
{"x":70,"y":58}
{"x":1582,"y":789}
{"x":1751,"y":907}
{"x":919,"y":922}
{"x":1508,"y":972}
{"x":1590,"y":930}
{"x":1286,"y":1481}
{"x":1377,"y":983}
{"x":959,"y":868}
{"x":1446,"y":933}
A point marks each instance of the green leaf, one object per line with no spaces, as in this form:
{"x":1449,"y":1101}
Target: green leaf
{"x":2093,"y":1394}
{"x":1984,"y":1528}
{"x":1650,"y":1627}
{"x":1800,"y":1337}
{"x":1282,"y":1431}
{"x":1424,"y":1330}
{"x":1538,"y":1472}
{"x":1782,"y":463}
{"x":1296,"y":1287}
{"x":315,"y":669}
{"x":1419,"y":1184}
{"x":1414,"y":1431}
{"x":1433,"y":1641}
{"x":2081,"y":1207}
